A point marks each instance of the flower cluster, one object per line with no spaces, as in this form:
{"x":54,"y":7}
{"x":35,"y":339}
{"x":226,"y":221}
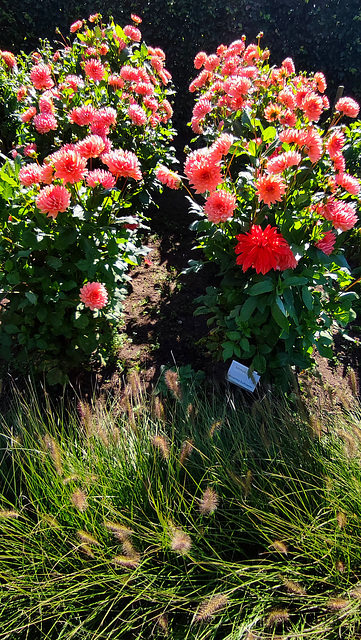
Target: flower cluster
{"x":94,"y":125}
{"x":278,"y":198}
{"x":281,"y":109}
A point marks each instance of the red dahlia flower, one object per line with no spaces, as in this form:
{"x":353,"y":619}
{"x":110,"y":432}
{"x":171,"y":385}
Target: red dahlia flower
{"x":261,"y":249}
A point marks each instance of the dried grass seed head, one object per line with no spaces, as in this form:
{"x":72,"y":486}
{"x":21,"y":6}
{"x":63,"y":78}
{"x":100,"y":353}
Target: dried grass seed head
{"x":161,"y":443}
{"x":79,"y":500}
{"x":209,"y":607}
{"x":209,"y":502}
{"x":172,"y":381}
{"x":180,"y":542}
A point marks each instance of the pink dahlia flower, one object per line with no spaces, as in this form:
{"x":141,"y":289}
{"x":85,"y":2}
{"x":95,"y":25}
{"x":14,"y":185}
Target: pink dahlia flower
{"x":339,"y":162}
{"x":40,"y":76}
{"x":45,"y":122}
{"x":83,"y":115}
{"x":132,"y":32}
{"x":270,"y":188}
{"x":349,"y":183}
{"x":91,"y":147}
{"x":137,"y":115}
{"x":220,"y":206}
{"x":28,"y":114}
{"x":312,"y":106}
{"x":320,"y":82}
{"x":69,"y":166}
{"x":221,"y":146}
{"x":341,"y":214}
{"x":334,"y":144}
{"x":167,"y":177}
{"x":200,"y":59}
{"x":278,"y":164}
{"x":123,"y":163}
{"x":203,"y":170}
{"x":348,"y":107}
{"x":288,"y":64}
{"x":100,"y":177}
{"x":30,"y":174}
{"x":93,"y":295}
{"x":327,"y":243}
{"x":94,"y":70}
{"x":53,"y":199}
{"x":107,"y":116}
{"x":22,"y":91}
{"x":116,"y":81}
{"x":201,"y":109}
{"x":8,"y":58}
{"x":47,"y":173}
{"x":287,"y":98}
{"x":76,"y":26}
{"x":313,"y":145}
{"x":46,"y":105}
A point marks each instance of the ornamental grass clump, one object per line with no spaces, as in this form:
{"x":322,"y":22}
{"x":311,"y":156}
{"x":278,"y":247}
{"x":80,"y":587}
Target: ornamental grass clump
{"x":279,"y":203}
{"x":93,"y":126}
{"x":255,"y":534}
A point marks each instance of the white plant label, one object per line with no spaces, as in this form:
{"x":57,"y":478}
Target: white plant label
{"x":239,"y":375}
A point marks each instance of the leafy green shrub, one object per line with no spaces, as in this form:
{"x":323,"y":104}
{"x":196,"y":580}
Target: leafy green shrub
{"x":278,"y":204}
{"x":215,"y":522}
{"x":94,"y":123}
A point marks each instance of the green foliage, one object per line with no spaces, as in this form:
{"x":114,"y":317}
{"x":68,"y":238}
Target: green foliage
{"x":206,"y":525}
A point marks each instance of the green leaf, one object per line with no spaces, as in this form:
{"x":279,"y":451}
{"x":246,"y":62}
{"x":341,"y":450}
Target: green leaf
{"x":31,"y":297}
{"x":247,"y":309}
{"x":54,"y":262}
{"x":280,"y":318}
{"x":228,"y":350}
{"x":294,"y":280}
{"x":11,"y":329}
{"x":269,"y":134}
{"x":307,"y":298}
{"x":259,"y":363}
{"x":323,"y":350}
{"x":261,"y":287}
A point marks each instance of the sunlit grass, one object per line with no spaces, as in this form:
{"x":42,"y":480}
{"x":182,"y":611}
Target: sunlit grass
{"x":198,"y":517}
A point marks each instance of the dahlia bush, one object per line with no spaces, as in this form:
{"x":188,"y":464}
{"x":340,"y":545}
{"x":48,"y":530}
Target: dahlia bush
{"x":93,"y":132}
{"x":278,"y":204}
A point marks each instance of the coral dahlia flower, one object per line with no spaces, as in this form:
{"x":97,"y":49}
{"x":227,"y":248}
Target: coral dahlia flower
{"x":82,"y":115}
{"x":69,"y":166}
{"x":28,"y":114}
{"x":312,"y":106}
{"x":260,"y":249}
{"x":94,"y":70}
{"x":8,"y":58}
{"x":221,"y":145}
{"x":40,"y":76}
{"x":167,"y":177}
{"x":349,"y":183}
{"x":137,"y":115}
{"x":334,"y":144}
{"x":203,"y":170}
{"x":220,"y":205}
{"x":30,"y":174}
{"x":132,"y":32}
{"x":93,"y":295}
{"x":91,"y":147}
{"x":270,"y":188}
{"x":283,"y":161}
{"x":123,"y":163}
{"x":52,"y":199}
{"x":348,"y":107}
{"x":341,"y":214}
{"x":45,"y":122}
{"x":327,"y":243}
{"x":76,"y":26}
{"x":313,"y":145}
{"x":100,"y":177}
{"x":200,"y":59}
